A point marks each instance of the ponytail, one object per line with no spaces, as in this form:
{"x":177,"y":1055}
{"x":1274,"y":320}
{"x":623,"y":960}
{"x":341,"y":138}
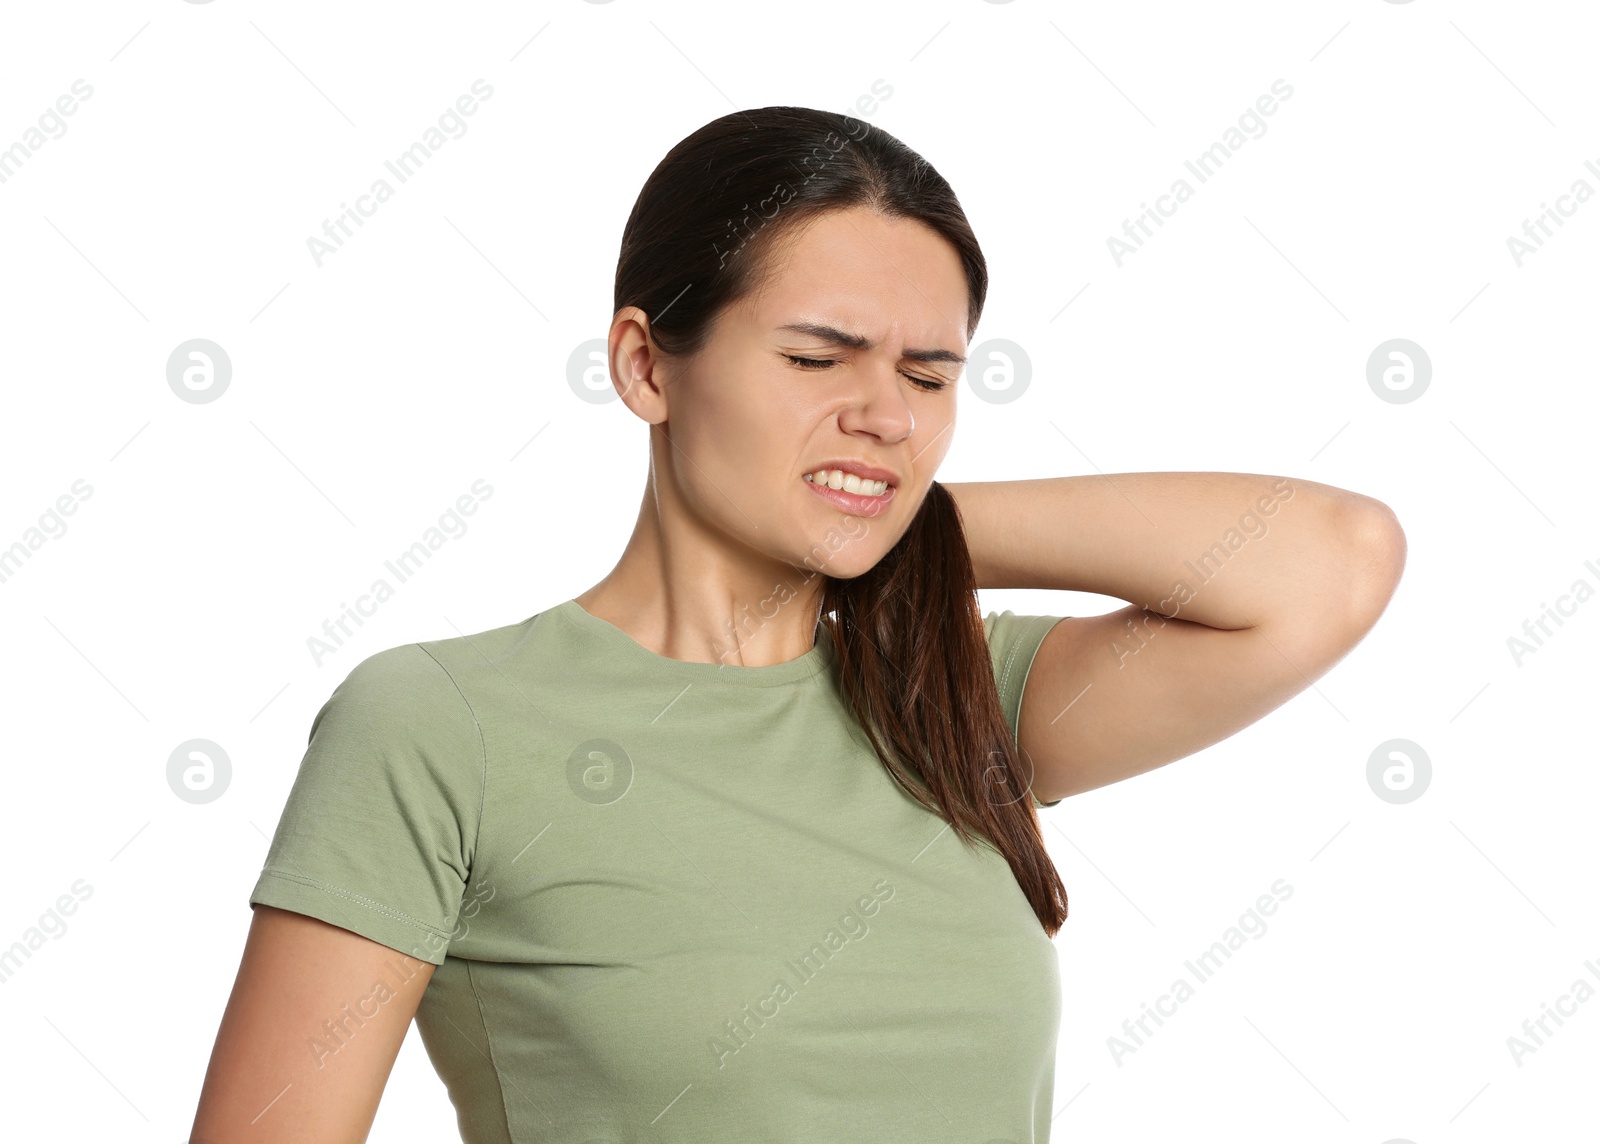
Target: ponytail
{"x":915,"y":667}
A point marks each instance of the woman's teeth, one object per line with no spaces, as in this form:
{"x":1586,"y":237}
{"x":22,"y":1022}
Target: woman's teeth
{"x":849,"y":482}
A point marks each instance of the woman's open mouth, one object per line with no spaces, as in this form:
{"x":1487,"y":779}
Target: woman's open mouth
{"x":857,"y":504}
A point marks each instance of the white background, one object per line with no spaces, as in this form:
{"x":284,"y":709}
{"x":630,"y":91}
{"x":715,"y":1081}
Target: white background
{"x":367,"y":394}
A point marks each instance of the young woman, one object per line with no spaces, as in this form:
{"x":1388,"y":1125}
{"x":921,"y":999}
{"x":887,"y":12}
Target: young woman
{"x":742,"y":843}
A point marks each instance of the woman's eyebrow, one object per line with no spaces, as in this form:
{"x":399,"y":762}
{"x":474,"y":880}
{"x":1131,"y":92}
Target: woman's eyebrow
{"x":858,"y":342}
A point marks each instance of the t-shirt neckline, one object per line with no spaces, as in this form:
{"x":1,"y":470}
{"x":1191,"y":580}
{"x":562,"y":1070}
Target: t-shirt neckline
{"x":806,"y":665}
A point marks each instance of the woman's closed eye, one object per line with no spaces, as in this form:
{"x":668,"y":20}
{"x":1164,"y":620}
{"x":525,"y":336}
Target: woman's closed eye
{"x":824,"y":363}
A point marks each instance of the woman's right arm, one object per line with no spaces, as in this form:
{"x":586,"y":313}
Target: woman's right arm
{"x":309,"y":1036}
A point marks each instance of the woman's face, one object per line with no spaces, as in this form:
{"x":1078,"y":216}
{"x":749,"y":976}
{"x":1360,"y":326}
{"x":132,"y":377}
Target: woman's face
{"x":747,"y":421}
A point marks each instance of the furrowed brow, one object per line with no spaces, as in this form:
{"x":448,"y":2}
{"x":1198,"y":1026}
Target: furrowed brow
{"x":858,"y":342}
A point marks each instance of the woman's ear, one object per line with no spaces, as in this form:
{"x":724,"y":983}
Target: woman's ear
{"x":637,"y":371}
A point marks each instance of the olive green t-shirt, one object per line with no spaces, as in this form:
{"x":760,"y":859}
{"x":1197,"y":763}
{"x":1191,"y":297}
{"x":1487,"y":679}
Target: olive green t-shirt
{"x":668,"y":901}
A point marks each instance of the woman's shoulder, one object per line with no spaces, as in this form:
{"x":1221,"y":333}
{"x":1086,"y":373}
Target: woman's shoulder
{"x":422,"y":669}
{"x":473,"y":666}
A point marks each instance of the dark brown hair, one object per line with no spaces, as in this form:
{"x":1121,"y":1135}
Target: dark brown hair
{"x":700,"y":237}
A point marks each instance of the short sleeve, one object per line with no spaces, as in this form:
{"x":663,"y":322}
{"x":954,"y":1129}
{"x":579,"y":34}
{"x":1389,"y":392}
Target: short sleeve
{"x":1013,"y":642}
{"x":380,"y":826}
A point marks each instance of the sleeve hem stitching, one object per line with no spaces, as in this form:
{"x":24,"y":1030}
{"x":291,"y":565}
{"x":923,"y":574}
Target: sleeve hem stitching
{"x":360,"y":900}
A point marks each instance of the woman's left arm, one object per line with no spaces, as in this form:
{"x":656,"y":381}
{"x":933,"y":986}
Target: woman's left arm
{"x":1243,"y":591}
